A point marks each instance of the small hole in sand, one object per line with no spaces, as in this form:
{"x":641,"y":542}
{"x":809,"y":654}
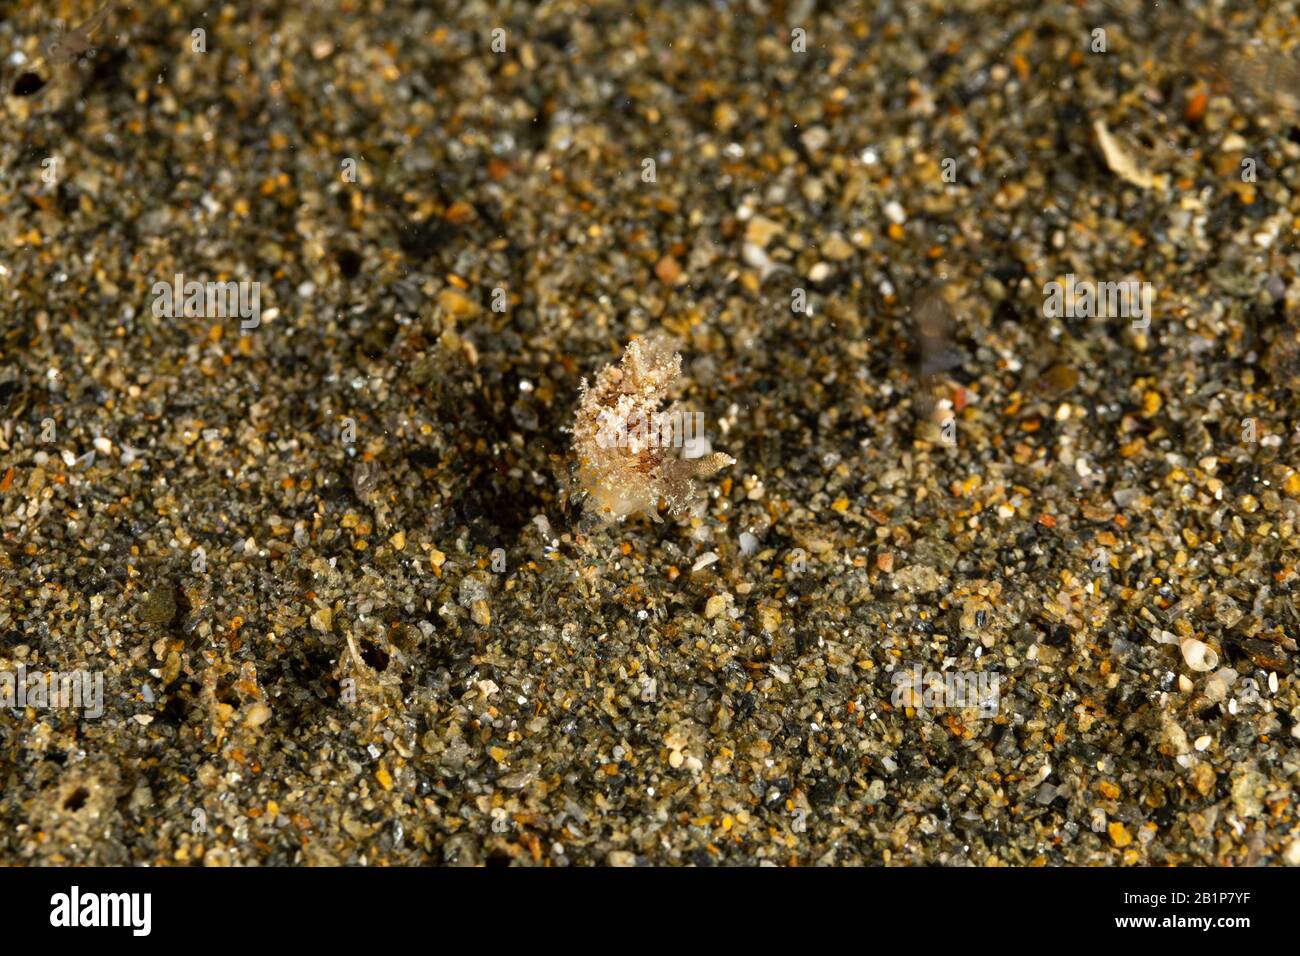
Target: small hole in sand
{"x":27,"y":84}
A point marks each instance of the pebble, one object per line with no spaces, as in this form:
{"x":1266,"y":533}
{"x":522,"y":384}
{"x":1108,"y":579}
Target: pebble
{"x":760,"y":231}
{"x":1291,"y":855}
{"x":836,"y":249}
{"x":772,"y":673}
{"x":704,"y":560}
{"x":257,"y":715}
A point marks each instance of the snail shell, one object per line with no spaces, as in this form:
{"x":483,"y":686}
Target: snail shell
{"x":1199,"y":655}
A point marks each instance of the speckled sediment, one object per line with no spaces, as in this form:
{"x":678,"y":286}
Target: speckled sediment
{"x":331,"y":567}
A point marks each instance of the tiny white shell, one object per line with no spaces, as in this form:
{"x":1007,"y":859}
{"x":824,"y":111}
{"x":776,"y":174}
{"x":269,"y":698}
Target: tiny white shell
{"x":1199,"y":655}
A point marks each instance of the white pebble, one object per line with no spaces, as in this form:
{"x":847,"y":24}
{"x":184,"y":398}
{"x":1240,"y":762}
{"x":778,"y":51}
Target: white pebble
{"x":704,"y":560}
{"x":1216,"y":688}
{"x":1292,"y":853}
